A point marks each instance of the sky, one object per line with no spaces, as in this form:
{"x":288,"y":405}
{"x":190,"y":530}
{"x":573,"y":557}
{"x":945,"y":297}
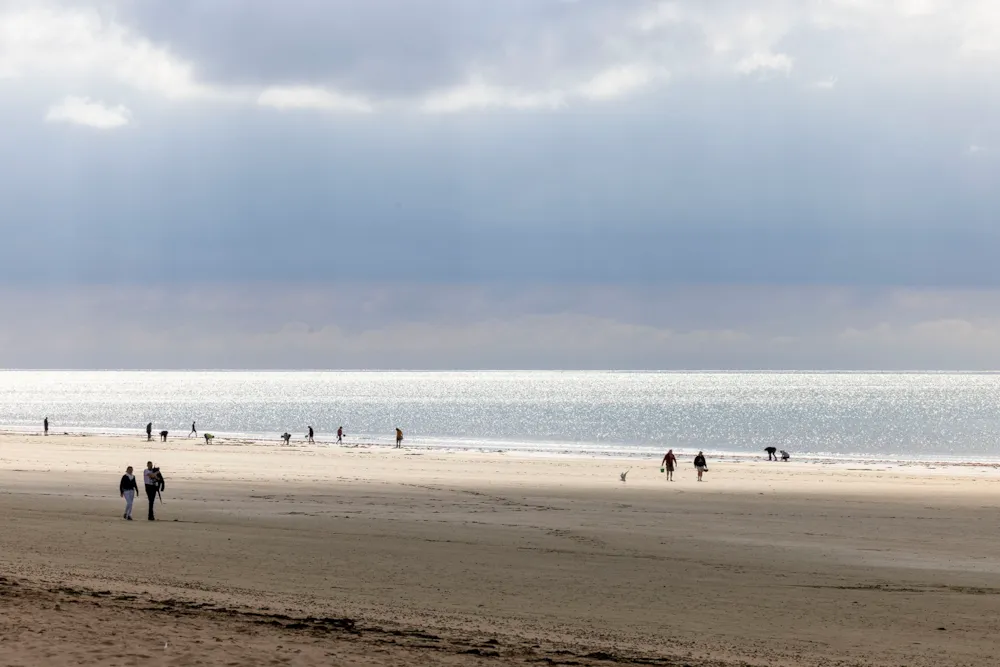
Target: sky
{"x":432,"y":184}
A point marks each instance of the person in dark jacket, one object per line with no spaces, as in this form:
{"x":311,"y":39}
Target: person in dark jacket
{"x":700,"y":465}
{"x":153,"y":482}
{"x":310,"y":435}
{"x":149,"y":431}
{"x":46,"y":425}
{"x":128,"y":488}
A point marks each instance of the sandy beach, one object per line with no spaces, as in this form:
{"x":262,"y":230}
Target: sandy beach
{"x":318,"y":555}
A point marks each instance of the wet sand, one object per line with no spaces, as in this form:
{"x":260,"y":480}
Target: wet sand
{"x":319,"y":555}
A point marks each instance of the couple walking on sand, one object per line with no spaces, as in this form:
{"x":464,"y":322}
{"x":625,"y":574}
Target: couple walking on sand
{"x":669,"y":464}
{"x":152,"y":479}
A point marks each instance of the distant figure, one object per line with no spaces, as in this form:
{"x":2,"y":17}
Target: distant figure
{"x":151,"y":480}
{"x":208,"y":438}
{"x":399,"y":438}
{"x":286,"y":436}
{"x":45,"y":425}
{"x":700,"y":465}
{"x":340,"y":435}
{"x":149,"y":432}
{"x":163,"y":436}
{"x":310,"y":436}
{"x":623,"y":475}
{"x":128,"y":488}
{"x":784,"y":455}
{"x":771,"y":453}
{"x":669,"y":462}
{"x":194,"y":431}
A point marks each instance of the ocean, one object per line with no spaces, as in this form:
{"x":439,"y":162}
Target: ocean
{"x":904,"y":416}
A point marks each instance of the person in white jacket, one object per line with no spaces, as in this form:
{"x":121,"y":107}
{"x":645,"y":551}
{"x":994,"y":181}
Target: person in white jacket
{"x":128,"y":488}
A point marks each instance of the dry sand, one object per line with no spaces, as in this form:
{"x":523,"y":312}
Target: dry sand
{"x":270,"y":555}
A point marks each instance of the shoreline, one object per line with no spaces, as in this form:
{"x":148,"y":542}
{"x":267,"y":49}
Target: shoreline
{"x":540,"y":450}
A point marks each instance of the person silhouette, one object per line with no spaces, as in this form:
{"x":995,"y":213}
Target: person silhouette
{"x":668,"y":463}
{"x":149,"y":432}
{"x":399,"y":438}
{"x":128,"y":489}
{"x":194,"y":431}
{"x":340,"y":435}
{"x":45,"y":424}
{"x":151,"y":480}
{"x":310,"y":436}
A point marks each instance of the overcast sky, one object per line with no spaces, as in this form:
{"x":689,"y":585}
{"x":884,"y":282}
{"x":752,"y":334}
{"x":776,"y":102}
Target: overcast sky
{"x":497,"y":184}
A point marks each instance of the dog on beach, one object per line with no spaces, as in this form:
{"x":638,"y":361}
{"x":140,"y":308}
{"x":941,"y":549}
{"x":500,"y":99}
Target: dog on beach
{"x":286,"y":437}
{"x":163,"y":436}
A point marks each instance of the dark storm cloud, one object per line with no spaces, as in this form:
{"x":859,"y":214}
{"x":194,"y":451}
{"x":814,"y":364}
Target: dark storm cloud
{"x":386,"y":47}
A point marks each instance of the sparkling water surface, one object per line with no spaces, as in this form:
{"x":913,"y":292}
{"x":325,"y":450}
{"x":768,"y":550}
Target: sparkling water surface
{"x":908,"y":415}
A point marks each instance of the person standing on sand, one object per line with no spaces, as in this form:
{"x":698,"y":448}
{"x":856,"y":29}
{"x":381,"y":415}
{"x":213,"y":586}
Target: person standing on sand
{"x":310,"y":436}
{"x":340,"y":435}
{"x":151,"y":480}
{"x":669,"y":462}
{"x":399,"y":438}
{"x":128,"y":488}
{"x":194,"y":431}
{"x":45,"y":424}
{"x":700,"y":465}
{"x":149,"y":432}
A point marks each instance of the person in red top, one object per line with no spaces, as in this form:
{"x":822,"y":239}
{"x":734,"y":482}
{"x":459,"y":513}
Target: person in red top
{"x":669,"y":463}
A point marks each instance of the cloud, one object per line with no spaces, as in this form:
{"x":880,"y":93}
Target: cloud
{"x":477,"y":94}
{"x":607,"y":84}
{"x":617,"y":81}
{"x":82,"y":111}
{"x":306,"y":97}
{"x":828,"y":83}
{"x":765,"y":63}
{"x":61,"y":43}
{"x":438,"y":57}
{"x":487,"y":326}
